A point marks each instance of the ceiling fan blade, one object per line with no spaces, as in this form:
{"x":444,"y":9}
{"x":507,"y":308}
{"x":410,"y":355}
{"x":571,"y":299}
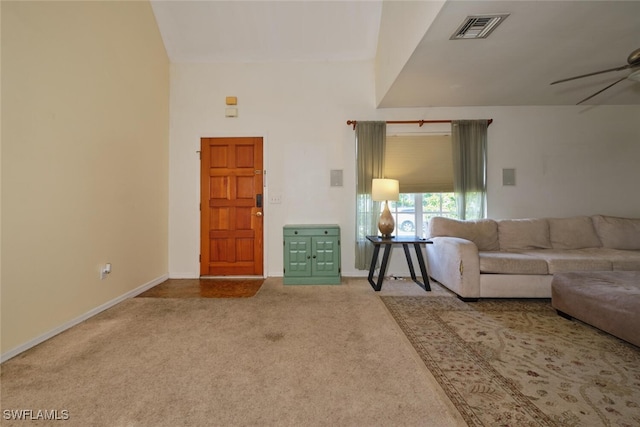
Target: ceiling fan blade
{"x":602,"y":90}
{"x":623,"y":67}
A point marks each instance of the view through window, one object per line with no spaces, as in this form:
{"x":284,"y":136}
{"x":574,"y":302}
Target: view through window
{"x":413,"y":211}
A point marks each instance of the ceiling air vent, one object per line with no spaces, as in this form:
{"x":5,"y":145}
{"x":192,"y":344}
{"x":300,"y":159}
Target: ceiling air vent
{"x":478,"y":26}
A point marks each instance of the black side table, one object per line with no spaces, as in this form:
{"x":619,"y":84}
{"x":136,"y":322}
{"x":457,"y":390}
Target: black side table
{"x":405,"y":241}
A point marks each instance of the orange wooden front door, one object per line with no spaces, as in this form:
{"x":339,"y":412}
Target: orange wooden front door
{"x":231,"y":221}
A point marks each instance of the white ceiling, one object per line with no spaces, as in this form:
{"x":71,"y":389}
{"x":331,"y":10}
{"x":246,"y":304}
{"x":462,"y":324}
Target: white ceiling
{"x":541,"y":41}
{"x":249,"y":31}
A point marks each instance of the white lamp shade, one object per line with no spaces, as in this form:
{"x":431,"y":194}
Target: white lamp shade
{"x":385,"y":189}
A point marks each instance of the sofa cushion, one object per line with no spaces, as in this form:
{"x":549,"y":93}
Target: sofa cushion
{"x":511,"y":263}
{"x":621,"y":259}
{"x":561,"y":260}
{"x":618,"y":233}
{"x":573,"y":233}
{"x":482,"y":232}
{"x":517,"y":234}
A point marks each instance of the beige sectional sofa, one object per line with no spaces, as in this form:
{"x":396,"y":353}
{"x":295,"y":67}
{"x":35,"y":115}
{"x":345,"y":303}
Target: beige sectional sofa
{"x":516,"y":258}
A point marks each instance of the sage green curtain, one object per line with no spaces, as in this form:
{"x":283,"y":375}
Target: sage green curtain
{"x":370,"y":146}
{"x":469,"y":145}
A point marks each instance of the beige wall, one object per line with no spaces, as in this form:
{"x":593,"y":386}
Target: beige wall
{"x":85,"y":122}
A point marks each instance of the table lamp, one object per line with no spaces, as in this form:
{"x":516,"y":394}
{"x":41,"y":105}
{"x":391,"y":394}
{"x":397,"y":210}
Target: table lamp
{"x":383,"y":190}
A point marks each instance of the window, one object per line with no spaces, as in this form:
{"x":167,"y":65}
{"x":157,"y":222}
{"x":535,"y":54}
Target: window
{"x":424,"y":166}
{"x":413,"y":211}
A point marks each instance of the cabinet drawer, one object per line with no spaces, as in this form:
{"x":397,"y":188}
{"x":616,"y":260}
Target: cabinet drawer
{"x":314,"y":230}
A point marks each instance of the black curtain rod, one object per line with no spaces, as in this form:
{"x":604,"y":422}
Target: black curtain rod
{"x":405,"y":122}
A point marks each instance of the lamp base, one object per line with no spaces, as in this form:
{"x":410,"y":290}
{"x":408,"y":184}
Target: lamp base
{"x":386,"y":224}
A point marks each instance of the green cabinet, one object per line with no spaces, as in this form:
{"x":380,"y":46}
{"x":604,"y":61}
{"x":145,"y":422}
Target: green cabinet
{"x":311,"y":254}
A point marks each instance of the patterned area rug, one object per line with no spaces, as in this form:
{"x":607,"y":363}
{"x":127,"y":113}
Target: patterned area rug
{"x":517,"y":363}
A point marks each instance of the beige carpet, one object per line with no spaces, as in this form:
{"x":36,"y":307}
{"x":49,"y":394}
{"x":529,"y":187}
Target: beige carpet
{"x":517,"y":363}
{"x":291,"y":355}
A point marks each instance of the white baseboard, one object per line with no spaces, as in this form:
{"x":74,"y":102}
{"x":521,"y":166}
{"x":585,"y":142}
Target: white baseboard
{"x":184,"y":276}
{"x":32,"y":343}
{"x":197,"y":276}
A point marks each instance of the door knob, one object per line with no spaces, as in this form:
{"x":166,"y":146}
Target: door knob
{"x":258,"y":214}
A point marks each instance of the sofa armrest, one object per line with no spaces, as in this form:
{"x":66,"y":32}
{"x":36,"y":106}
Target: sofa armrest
{"x":455,"y":263}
